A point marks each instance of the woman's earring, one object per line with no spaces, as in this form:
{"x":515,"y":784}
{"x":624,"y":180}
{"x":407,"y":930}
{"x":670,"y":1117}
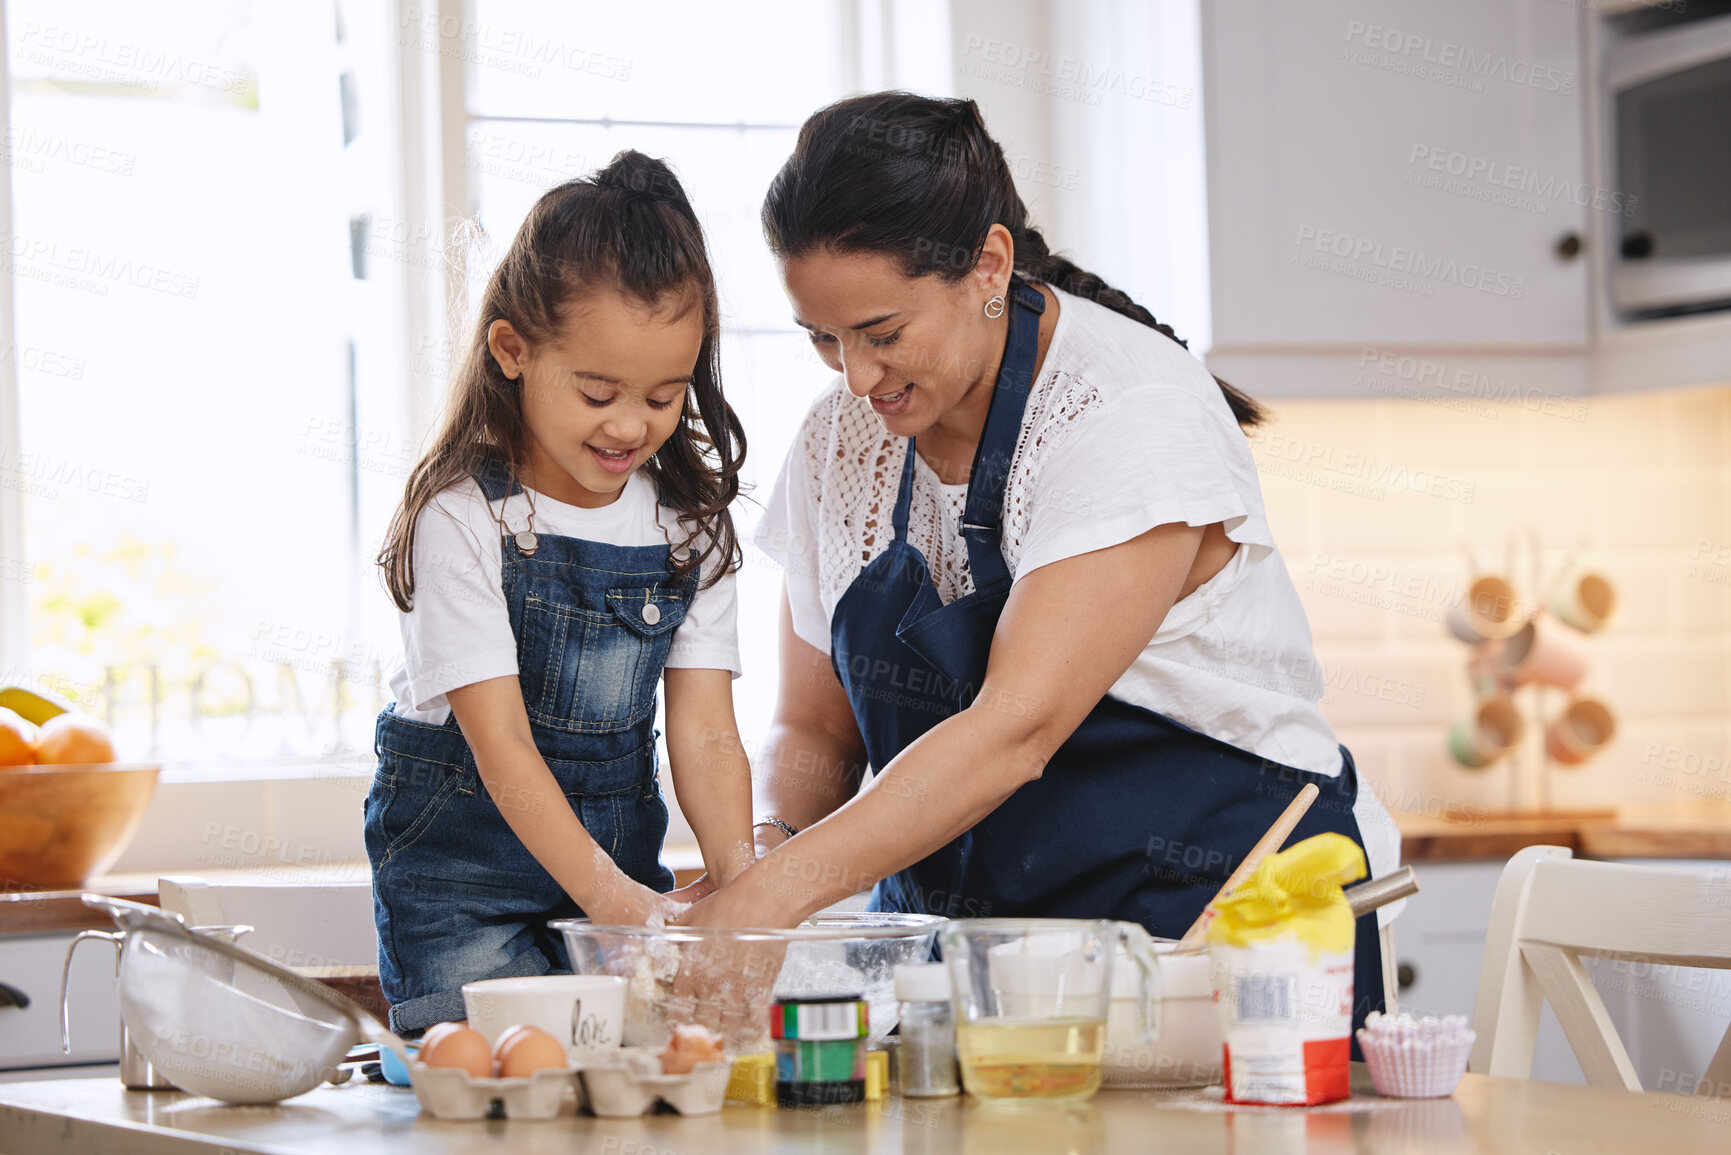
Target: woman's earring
{"x":995,"y":307}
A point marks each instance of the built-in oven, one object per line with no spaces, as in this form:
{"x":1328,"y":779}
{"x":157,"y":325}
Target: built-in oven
{"x":1667,"y":102}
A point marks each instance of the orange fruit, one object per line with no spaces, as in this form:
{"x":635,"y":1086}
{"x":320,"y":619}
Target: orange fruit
{"x":17,"y":740}
{"x":72,"y":739}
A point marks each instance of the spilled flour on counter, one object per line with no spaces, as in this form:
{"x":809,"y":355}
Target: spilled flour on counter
{"x":1214,"y":1099}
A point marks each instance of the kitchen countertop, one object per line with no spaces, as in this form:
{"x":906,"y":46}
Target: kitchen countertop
{"x":42,"y":912}
{"x":1636,"y":830}
{"x":99,"y":1117}
{"x":24,"y":911}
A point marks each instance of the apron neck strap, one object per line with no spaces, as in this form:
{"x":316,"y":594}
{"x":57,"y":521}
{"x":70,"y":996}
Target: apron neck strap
{"x":983,"y":516}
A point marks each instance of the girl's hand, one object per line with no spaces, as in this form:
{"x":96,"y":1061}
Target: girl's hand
{"x":624,"y":901}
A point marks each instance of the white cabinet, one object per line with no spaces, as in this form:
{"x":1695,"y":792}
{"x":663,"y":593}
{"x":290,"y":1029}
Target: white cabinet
{"x":1439,"y":938}
{"x":1402,"y":175}
{"x":30,"y":1036}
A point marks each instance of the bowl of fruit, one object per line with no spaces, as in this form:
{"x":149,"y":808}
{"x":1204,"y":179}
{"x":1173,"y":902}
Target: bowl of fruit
{"x":67,"y":807}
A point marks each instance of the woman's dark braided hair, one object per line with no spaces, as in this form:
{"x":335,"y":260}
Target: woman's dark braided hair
{"x":922,"y":180}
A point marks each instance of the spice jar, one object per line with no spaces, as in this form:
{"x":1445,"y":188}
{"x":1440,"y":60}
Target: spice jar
{"x":820,"y":1049}
{"x":928,"y":1031}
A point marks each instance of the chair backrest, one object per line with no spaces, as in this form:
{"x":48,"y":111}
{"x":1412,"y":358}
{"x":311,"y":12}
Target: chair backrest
{"x":322,"y":928}
{"x":1549,"y":912}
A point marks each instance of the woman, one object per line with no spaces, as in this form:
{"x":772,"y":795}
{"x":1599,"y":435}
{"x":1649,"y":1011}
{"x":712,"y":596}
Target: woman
{"x":1028,"y":576}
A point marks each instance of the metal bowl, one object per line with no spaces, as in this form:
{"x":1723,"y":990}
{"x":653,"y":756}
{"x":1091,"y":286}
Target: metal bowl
{"x":726,"y":979}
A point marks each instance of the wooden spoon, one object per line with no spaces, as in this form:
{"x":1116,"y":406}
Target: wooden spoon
{"x":1266,"y":845}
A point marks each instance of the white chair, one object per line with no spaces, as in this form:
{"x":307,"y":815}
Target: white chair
{"x":1548,"y":912}
{"x":323,"y":929}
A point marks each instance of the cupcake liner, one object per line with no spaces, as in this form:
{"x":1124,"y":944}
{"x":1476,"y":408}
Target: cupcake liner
{"x":1422,"y":1059}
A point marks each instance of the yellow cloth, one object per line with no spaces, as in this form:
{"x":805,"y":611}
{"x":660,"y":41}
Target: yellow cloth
{"x":1296,"y":892}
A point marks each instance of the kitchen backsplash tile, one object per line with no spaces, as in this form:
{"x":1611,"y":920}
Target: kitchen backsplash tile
{"x":1376,"y":504}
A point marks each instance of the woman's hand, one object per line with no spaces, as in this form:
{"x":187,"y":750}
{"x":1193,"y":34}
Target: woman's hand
{"x":766,"y":836}
{"x":702,"y":888}
{"x":1053,"y":657}
{"x":732,"y":906}
{"x":725,"y":984}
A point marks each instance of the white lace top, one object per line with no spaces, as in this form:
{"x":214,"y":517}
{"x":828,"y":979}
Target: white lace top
{"x":1124,"y":431}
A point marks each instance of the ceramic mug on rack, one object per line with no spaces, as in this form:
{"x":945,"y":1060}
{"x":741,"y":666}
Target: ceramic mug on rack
{"x":1543,"y":652}
{"x":1491,"y":731}
{"x":1489,"y":610}
{"x":1585,"y":727}
{"x":1585,"y":600}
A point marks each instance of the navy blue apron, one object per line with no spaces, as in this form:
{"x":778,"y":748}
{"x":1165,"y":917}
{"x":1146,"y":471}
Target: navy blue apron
{"x":1136,"y":817}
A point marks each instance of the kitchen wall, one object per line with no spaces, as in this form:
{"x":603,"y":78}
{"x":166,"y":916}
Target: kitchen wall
{"x":1376,"y":505}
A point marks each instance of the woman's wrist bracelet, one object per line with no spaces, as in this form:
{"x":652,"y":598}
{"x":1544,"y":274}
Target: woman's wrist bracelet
{"x":784,"y":827}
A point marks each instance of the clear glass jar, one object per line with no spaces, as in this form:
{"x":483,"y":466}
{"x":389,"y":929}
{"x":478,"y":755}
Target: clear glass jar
{"x":928,"y":1031}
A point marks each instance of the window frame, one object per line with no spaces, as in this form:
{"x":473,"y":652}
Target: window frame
{"x":14,"y":600}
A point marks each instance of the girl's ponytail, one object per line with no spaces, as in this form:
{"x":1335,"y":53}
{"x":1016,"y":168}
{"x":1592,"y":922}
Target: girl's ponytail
{"x":922,"y":180}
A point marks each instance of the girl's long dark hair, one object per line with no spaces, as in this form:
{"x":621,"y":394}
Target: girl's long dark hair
{"x":630,"y":229}
{"x":921,"y":180}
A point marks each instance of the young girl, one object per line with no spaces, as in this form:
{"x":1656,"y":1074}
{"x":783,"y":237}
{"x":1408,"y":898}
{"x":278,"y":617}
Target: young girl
{"x":563,"y":546}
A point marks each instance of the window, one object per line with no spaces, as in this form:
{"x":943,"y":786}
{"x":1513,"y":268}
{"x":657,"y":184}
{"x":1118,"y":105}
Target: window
{"x":230,"y":259}
{"x":230,"y":245}
{"x":182,"y":477}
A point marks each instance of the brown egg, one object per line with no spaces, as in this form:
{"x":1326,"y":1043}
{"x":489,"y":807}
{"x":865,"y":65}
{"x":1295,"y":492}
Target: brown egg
{"x":524,"y":1050}
{"x":432,"y":1033}
{"x":455,"y":1045}
{"x":690,"y":1046}
{"x":506,"y":1036}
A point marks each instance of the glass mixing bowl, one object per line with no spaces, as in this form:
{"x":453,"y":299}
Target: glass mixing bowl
{"x":727,"y":979}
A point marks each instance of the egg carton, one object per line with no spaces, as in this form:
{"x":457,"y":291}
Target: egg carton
{"x":630,"y":1082}
{"x":453,"y":1093}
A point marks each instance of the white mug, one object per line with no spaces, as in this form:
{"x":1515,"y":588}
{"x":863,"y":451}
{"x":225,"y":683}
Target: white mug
{"x":584,"y":1012}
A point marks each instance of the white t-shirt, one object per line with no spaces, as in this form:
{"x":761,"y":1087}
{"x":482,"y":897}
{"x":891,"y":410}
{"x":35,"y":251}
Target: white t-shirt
{"x":459,"y":632}
{"x":1124,"y":431}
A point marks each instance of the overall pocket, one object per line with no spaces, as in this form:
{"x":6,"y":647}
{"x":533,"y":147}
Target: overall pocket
{"x":407,"y":797}
{"x":594,"y":671}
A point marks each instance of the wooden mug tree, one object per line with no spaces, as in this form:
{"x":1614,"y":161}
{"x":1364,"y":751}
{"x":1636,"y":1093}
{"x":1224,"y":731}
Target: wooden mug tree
{"x":1524,"y":654}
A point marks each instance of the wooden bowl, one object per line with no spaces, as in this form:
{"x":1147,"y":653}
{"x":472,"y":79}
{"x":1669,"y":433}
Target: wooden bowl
{"x":62,"y":825}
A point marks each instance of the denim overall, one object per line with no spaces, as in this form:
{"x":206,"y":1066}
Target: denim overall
{"x":456,"y":895}
{"x":1136,"y":817}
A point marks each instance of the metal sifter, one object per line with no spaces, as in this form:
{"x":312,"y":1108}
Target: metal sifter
{"x":220,"y":1020}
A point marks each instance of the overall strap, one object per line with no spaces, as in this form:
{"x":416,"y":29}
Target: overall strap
{"x":983,"y":516}
{"x":496,"y":480}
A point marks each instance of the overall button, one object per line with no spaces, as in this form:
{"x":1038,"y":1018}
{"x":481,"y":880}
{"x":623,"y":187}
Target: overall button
{"x":651,"y":613}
